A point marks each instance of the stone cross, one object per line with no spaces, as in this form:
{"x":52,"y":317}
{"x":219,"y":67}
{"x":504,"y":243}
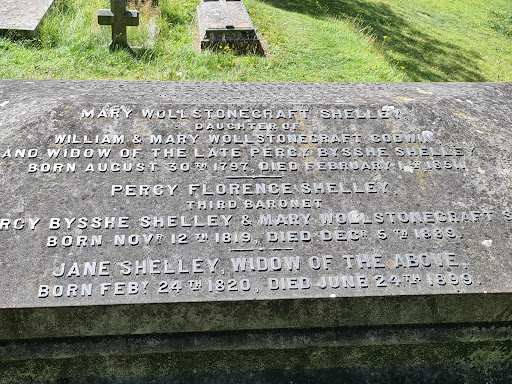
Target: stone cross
{"x":119,"y":18}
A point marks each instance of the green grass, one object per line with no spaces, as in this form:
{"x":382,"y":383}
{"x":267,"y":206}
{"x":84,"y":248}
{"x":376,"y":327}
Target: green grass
{"x":501,"y":21}
{"x":308,"y":40}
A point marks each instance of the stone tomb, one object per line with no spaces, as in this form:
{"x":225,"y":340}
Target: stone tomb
{"x":206,"y":232}
{"x":226,"y":23}
{"x":22,"y":17}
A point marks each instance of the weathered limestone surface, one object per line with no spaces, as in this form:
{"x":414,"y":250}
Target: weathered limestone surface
{"x":375,"y":190}
{"x":23,"y":16}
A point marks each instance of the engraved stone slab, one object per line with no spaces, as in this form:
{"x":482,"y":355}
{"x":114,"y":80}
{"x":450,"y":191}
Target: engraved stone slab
{"x":23,"y":16}
{"x":307,"y":204}
{"x":227,"y":22}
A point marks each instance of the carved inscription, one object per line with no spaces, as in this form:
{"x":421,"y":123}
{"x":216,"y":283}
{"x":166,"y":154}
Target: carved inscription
{"x":221,"y":202}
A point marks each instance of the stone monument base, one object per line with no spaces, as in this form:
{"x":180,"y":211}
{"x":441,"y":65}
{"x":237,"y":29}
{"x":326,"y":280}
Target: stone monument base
{"x":419,"y":354}
{"x":375,"y":340}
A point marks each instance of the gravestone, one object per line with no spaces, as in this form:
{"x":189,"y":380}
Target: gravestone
{"x":119,"y":18}
{"x":22,"y":17}
{"x":226,"y":23}
{"x":207,"y":232}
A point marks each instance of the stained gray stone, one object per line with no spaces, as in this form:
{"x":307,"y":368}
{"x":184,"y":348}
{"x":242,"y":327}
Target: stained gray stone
{"x":22,"y":17}
{"x":469,"y":354}
{"x":226,"y":23}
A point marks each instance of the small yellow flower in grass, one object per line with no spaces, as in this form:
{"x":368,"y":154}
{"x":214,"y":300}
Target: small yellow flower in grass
{"x":402,"y":67}
{"x":218,"y":66}
{"x":385,"y":37}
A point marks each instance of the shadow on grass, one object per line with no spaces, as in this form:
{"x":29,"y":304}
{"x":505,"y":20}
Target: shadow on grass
{"x":426,"y":56}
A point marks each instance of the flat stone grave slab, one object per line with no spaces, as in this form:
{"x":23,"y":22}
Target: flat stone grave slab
{"x":227,"y":23}
{"x":247,"y":205}
{"x":23,"y":16}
